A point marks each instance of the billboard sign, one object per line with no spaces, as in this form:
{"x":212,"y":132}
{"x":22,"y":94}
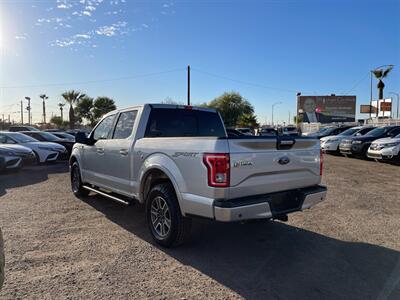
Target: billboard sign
{"x":366,"y":109}
{"x":385,"y":107}
{"x":326,"y":109}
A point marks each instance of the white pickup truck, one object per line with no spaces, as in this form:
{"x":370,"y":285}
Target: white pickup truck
{"x":179,"y":162}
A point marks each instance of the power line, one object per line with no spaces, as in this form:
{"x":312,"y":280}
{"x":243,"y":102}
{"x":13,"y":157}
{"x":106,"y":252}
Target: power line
{"x":244,"y":82}
{"x":94,"y":81}
{"x":356,"y":84}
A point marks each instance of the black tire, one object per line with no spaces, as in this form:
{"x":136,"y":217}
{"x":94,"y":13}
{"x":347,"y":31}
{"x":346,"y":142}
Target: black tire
{"x":76,"y":182}
{"x":179,"y":229}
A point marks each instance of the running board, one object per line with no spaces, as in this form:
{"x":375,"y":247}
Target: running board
{"x":106,"y":195}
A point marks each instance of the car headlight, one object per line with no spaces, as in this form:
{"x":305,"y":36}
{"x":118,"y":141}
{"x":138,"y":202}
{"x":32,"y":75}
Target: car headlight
{"x":356,"y":142}
{"x":391,"y":144}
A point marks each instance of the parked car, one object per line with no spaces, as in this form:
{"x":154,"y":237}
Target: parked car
{"x":385,"y":149}
{"x":267,"y":131}
{"x":16,"y":156}
{"x":180,"y":163}
{"x":358,"y":145}
{"x":64,"y":136}
{"x":245,"y":131}
{"x":290,"y":130}
{"x":233,"y":132}
{"x":330,"y":144}
{"x":327,"y":131}
{"x":43,"y":136}
{"x":44,"y":151}
{"x":22,"y":128}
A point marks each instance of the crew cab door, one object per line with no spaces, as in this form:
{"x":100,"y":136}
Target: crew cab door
{"x":118,"y":153}
{"x":94,"y":166}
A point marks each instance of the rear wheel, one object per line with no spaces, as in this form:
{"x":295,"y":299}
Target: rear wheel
{"x":76,"y":182}
{"x":167,"y":225}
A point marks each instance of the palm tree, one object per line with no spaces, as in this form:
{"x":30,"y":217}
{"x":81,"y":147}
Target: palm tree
{"x":380,"y":74}
{"x":72,"y":97}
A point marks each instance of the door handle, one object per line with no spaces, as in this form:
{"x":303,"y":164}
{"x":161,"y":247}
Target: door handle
{"x":123,"y":152}
{"x":100,"y":150}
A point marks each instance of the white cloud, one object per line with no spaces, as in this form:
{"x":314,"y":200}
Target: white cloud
{"x":82,"y":36}
{"x":86,"y":13}
{"x":90,"y":8}
{"x":21,"y":37}
{"x":145,"y":25}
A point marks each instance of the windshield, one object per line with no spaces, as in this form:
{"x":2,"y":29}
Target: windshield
{"x":21,"y":138}
{"x":377,"y":131}
{"x":49,"y":136}
{"x":349,"y":131}
{"x":289,"y":129}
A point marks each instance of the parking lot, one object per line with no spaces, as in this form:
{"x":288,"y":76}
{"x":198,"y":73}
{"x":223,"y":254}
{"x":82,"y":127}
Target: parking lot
{"x":59,"y":246}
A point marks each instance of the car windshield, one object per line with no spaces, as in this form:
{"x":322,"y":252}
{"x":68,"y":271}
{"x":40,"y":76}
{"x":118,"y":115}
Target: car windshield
{"x":349,"y":132}
{"x":377,"y":131}
{"x":21,"y":138}
{"x":49,"y":136}
{"x":289,"y":129}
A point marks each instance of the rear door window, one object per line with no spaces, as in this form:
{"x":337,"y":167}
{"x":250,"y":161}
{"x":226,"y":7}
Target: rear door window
{"x":125,"y":123}
{"x":166,"y":122}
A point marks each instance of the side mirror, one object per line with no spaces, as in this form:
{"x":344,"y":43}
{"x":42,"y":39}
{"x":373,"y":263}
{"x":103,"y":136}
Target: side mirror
{"x":81,"y":138}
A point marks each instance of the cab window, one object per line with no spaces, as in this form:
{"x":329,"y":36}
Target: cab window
{"x":102,"y":131}
{"x":125,"y":123}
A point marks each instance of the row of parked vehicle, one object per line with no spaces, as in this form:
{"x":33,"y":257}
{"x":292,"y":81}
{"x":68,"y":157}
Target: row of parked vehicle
{"x":379,"y":143}
{"x":26,"y":145}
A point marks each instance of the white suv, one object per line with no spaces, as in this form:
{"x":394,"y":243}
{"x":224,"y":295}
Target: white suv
{"x":385,"y":149}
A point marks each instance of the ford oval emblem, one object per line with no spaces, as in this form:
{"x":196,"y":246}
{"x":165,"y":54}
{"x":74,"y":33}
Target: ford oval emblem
{"x":284,"y":160}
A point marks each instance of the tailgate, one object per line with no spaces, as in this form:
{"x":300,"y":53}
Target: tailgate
{"x":266,"y":165}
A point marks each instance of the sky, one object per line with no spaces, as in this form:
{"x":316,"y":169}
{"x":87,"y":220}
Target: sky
{"x":137,"y":51}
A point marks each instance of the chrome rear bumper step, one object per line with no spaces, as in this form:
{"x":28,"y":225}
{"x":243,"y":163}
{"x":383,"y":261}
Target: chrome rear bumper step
{"x":107,"y":195}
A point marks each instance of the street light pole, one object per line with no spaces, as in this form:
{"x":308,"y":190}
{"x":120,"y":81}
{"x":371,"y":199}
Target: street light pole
{"x":398,"y":102}
{"x":28,"y":108}
{"x":273,"y":106}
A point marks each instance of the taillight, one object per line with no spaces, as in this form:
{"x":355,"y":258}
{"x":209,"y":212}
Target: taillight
{"x":321,"y":162}
{"x":218,"y":169}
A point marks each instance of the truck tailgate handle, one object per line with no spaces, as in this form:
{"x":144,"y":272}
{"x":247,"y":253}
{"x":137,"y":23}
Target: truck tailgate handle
{"x":285,"y":144}
{"x":123,"y":152}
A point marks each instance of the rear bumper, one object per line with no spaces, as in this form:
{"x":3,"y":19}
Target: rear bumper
{"x":269,"y":205}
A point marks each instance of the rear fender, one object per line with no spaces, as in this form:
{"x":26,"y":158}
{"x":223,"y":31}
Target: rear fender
{"x":165,"y":164}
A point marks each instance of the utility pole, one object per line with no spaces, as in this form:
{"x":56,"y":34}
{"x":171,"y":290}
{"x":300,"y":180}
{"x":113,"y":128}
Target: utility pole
{"x":188,"y":85}
{"x":44,"y":97}
{"x":9,"y":120}
{"x":273,"y":106}
{"x":28,"y":108}
{"x":289,"y":118}
{"x":398,"y":102}
{"x":22,"y":113}
{"x":61,"y":105}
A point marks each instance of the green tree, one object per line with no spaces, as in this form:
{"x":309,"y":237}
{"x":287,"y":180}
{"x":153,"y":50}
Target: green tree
{"x":84,"y":109}
{"x":380,"y":74}
{"x":248,"y":120}
{"x":232,"y":106}
{"x":72,"y":97}
{"x":56,"y":120}
{"x":101,"y":106}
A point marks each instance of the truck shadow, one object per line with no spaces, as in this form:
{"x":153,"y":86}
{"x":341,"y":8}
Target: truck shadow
{"x":274,"y":260}
{"x":29,"y":175}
